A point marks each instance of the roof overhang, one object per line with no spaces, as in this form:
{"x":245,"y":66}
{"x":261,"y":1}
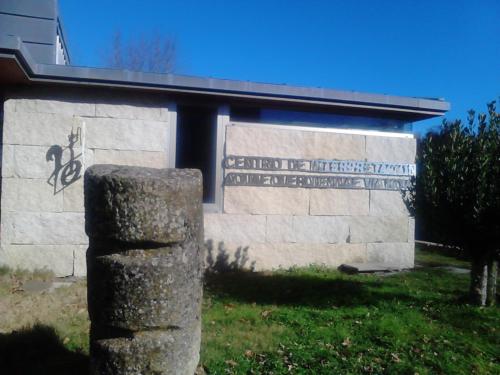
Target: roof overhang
{"x":17,"y":66}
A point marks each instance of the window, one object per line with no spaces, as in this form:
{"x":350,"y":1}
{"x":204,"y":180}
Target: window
{"x":318,"y":119}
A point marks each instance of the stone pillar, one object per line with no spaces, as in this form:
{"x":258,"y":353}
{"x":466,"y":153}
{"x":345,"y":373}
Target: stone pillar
{"x":144,"y":261}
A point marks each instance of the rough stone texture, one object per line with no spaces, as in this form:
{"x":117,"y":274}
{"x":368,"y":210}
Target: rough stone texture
{"x":133,"y":108}
{"x":320,"y":229}
{"x":339,"y":202}
{"x":400,"y":255}
{"x":29,"y":195}
{"x":65,"y":106}
{"x":144,"y":264}
{"x":73,"y":197}
{"x":391,"y":150}
{"x":124,"y":134}
{"x":57,"y":258}
{"x":290,"y":143}
{"x":133,"y":158}
{"x":143,"y":289}
{"x":8,"y":164}
{"x":364,"y":229}
{"x":139,"y":204}
{"x":154,"y":352}
{"x":261,"y":141}
{"x":80,"y":261}
{"x":47,"y":228}
{"x":244,"y":229}
{"x":279,"y":229}
{"x":265,"y":200}
{"x":411,"y":229}
{"x":262,"y":257}
{"x":387,"y":203}
{"x":338,"y":146}
{"x":38,"y":129}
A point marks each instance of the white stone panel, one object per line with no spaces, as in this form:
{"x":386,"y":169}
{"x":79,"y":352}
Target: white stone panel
{"x":279,"y":229}
{"x":265,"y":200}
{"x":38,"y":129}
{"x":387,"y":203}
{"x":73,"y":197}
{"x":261,"y":257}
{"x":45,"y":228}
{"x":120,"y":134}
{"x":80,"y":261}
{"x":411,"y":229}
{"x":340,"y":202}
{"x":320,"y":229}
{"x":8,"y":163}
{"x":242,"y":229}
{"x":269,"y":142}
{"x":338,"y":146}
{"x":69,"y":106}
{"x":29,"y":195}
{"x":56,"y":258}
{"x":135,"y":108}
{"x":391,"y":149}
{"x":365,"y":229}
{"x":136,"y":158}
{"x":401,"y":255}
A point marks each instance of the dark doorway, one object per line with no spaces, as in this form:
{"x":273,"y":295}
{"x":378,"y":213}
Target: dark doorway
{"x":197,"y":144}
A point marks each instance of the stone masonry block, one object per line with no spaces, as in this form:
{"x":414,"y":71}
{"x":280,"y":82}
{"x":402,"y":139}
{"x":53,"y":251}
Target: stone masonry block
{"x":38,"y":129}
{"x":124,"y":134}
{"x":143,"y":289}
{"x":8,"y":161}
{"x":265,"y":200}
{"x":400,"y":255}
{"x":79,"y":261}
{"x":47,"y":228}
{"x":148,"y":353}
{"x":73,"y":197}
{"x":135,"y":204}
{"x":391,"y":150}
{"x":378,"y":229}
{"x":243,"y":229}
{"x":320,"y":229}
{"x":340,"y":202}
{"x":263,"y":257}
{"x":56,"y":258}
{"x":338,"y":146}
{"x":19,"y":194}
{"x":135,"y":109}
{"x":411,"y":229}
{"x":151,"y":159}
{"x":269,"y":142}
{"x":70,"y":106}
{"x":279,"y":229}
{"x":387,"y":203}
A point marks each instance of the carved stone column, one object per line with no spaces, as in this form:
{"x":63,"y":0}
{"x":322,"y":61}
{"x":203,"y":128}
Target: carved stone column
{"x":144,"y":269}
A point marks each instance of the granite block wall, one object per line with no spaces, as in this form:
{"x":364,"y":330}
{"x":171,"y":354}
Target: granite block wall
{"x":43,"y":225}
{"x":264,"y":227}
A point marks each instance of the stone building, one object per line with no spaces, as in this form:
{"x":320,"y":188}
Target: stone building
{"x":292,"y":175}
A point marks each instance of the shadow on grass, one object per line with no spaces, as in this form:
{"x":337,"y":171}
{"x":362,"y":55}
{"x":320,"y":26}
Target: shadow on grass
{"x":300,"y":290}
{"x":38,"y":350}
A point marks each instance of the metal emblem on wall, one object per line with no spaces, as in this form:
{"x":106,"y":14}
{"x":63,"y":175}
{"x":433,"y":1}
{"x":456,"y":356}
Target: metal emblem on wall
{"x":395,"y":176}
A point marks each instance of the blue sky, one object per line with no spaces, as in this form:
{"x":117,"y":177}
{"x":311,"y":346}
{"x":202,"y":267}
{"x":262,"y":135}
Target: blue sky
{"x":448,"y":49}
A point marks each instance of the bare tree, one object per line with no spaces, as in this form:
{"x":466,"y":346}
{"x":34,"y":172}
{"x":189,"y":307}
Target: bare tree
{"x":154,"y":53}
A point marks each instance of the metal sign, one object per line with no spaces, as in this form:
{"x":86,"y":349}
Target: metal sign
{"x":319,"y":166}
{"x":396,"y":176}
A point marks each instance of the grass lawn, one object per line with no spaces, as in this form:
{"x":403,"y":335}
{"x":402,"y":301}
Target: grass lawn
{"x":304,"y":321}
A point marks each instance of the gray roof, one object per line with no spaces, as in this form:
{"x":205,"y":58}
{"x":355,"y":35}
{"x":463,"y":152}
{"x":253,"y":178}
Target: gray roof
{"x":411,"y":108}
